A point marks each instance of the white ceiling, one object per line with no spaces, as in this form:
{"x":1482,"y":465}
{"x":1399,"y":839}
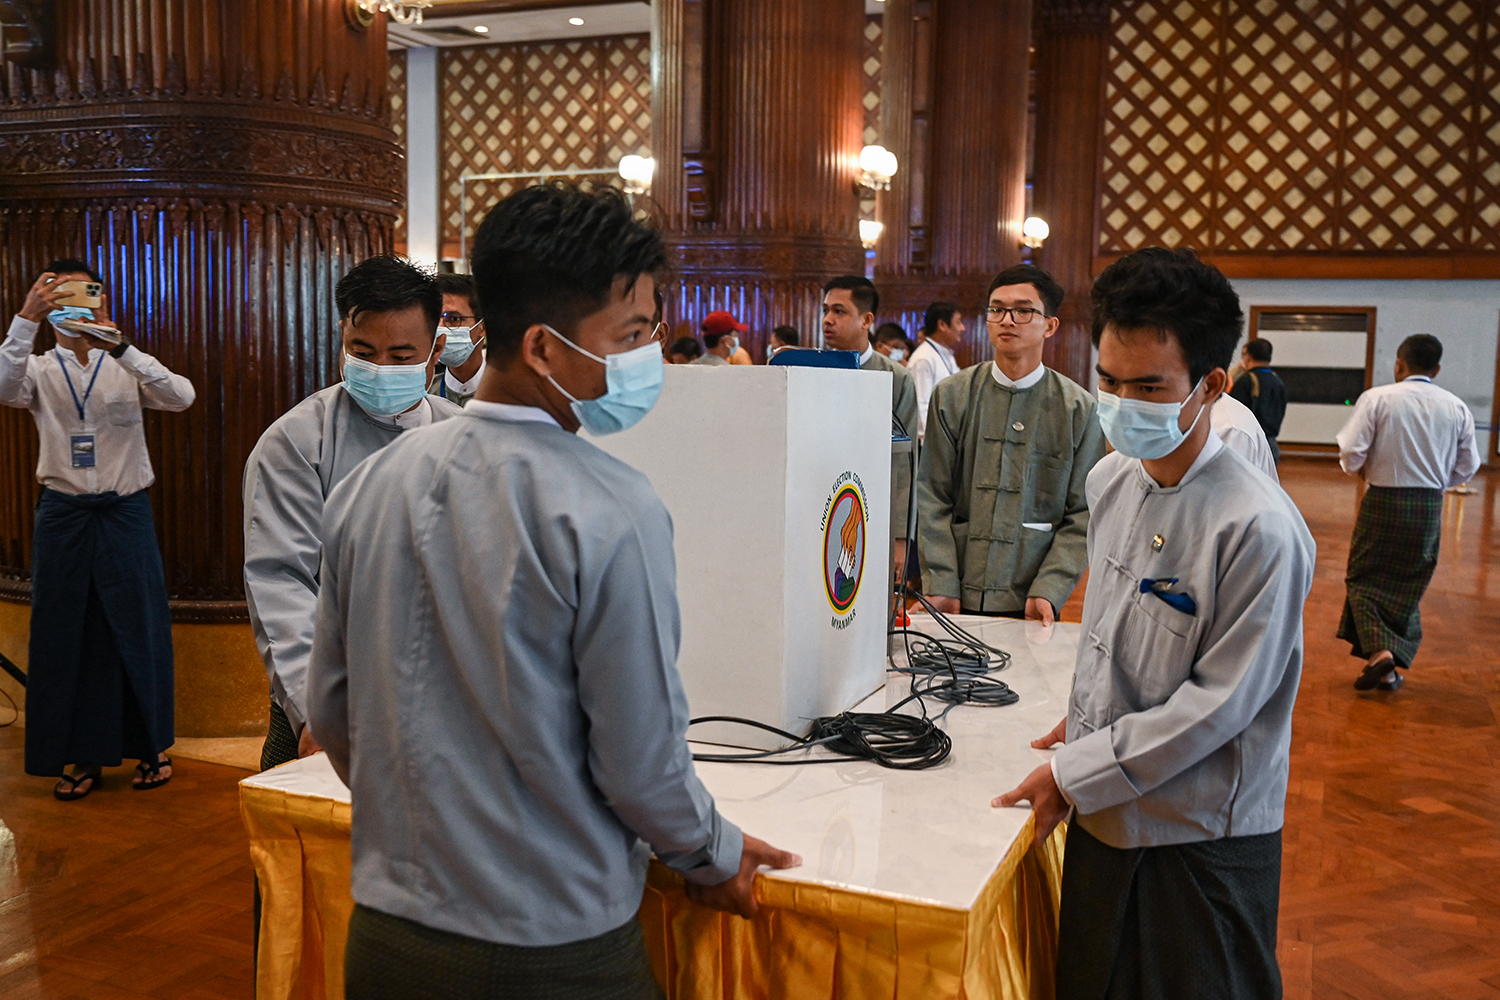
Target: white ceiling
{"x":528,"y":26}
{"x":539,"y":25}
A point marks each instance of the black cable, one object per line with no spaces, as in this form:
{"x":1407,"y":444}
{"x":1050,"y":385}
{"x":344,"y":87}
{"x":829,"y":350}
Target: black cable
{"x":890,"y":739}
{"x":9,"y":667}
{"x":957,"y":670}
{"x":14,"y":708}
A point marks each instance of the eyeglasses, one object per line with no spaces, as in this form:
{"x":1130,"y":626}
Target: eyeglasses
{"x":1021,"y":315}
{"x":454,"y":319}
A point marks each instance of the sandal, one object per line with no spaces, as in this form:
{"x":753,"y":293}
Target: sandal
{"x":74,"y":780}
{"x":149,"y":773}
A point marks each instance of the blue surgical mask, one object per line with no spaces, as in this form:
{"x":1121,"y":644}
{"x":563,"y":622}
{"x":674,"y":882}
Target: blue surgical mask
{"x":459,"y":346}
{"x":81,"y":313}
{"x":1144,"y":430}
{"x":632,"y":381}
{"x":385,"y":390}
{"x":897,"y":353}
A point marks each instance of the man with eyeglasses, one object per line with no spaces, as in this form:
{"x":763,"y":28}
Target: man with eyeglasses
{"x":462,"y":325}
{"x":1002,"y":514}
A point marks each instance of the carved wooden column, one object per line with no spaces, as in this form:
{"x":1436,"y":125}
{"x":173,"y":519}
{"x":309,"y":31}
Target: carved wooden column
{"x":222,"y":163}
{"x":756,"y":122}
{"x":953,"y":110}
{"x":1072,"y":52}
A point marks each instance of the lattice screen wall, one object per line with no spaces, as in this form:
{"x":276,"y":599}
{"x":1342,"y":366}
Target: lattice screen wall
{"x":574,"y":105}
{"x":396,"y":84}
{"x":1313,"y":125}
{"x":872,"y":55}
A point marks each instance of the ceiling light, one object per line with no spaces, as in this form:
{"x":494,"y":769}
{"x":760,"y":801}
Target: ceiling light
{"x":576,"y":22}
{"x":869,"y":232}
{"x":400,"y":11}
{"x":483,"y":29}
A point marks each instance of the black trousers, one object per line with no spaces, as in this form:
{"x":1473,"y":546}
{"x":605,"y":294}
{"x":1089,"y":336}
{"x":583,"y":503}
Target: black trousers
{"x":1169,"y":923}
{"x":390,"y":958}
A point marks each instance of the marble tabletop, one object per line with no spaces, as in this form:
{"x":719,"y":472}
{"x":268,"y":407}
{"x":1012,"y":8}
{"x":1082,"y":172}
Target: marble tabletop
{"x":924,"y":835}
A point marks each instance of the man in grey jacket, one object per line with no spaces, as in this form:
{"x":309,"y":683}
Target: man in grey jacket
{"x":494,"y":671}
{"x":388,"y":333}
{"x":1175,"y":750}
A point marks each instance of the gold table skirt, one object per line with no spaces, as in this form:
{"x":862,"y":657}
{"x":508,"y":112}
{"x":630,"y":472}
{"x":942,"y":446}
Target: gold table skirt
{"x":810,"y":941}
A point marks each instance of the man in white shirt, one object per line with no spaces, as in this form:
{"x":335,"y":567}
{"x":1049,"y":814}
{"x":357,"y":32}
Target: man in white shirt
{"x":390,"y":311}
{"x":933,"y":360}
{"x":101,"y":686}
{"x":462,"y":326}
{"x":1409,"y":441}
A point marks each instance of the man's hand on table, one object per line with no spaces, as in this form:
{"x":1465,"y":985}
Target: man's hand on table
{"x":306,"y":745}
{"x":1040,"y":789}
{"x":1039,"y":609}
{"x":737,"y":895}
{"x":947,"y":605}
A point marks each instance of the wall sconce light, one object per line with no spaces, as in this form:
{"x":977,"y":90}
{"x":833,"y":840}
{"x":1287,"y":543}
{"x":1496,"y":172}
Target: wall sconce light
{"x":869,"y":232}
{"x":877,"y":165}
{"x":636,"y":172}
{"x":1034,"y":232}
{"x":362,"y":12}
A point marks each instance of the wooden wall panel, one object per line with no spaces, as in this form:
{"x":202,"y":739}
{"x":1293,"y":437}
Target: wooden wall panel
{"x":757,"y":146}
{"x":397,"y":84}
{"x":954,"y":109}
{"x":556,"y":106}
{"x":222,"y":164}
{"x":1314,"y":126}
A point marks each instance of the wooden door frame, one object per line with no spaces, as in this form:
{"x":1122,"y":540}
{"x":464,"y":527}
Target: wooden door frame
{"x":1494,"y":455}
{"x":1369,"y":311}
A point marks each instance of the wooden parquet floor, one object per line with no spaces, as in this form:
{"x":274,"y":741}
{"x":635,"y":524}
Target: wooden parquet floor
{"x":1391,"y":878}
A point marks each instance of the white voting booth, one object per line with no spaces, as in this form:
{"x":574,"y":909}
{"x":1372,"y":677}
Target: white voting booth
{"x":778,"y":482}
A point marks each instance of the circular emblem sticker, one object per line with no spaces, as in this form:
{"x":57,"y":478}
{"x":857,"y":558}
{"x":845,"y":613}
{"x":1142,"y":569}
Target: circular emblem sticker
{"x":844,"y":547}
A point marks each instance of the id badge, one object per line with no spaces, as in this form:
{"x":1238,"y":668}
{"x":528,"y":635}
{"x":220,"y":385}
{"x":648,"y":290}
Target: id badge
{"x":83,"y":451}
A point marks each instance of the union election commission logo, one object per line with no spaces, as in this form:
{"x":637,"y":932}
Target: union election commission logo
{"x":844,"y":523}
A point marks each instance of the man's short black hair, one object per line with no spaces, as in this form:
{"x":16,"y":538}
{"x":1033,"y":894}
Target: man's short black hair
{"x":891,"y":332}
{"x":711,"y":340}
{"x":861,"y":290}
{"x":1175,"y":294}
{"x":688,"y":347}
{"x":788,"y":335}
{"x":1029,"y":274}
{"x":1259,"y":350}
{"x":938,"y":312}
{"x":450,"y":283}
{"x":72,"y":265}
{"x":387,"y":283}
{"x":552,"y":254}
{"x":1422,"y":353}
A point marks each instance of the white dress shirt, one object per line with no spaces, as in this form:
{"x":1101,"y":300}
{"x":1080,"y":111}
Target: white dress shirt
{"x":1410,"y":434}
{"x":1024,"y":382}
{"x":1236,"y":426}
{"x":930,"y":363}
{"x":111,"y":410}
{"x":465,"y":388}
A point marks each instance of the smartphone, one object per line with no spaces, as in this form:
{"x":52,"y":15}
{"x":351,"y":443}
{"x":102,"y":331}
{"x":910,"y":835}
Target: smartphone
{"x":81,"y":293}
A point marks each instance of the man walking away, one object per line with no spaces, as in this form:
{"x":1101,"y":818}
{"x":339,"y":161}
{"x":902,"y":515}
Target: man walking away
{"x":933,"y":360}
{"x":1262,"y":390}
{"x":1409,"y":441}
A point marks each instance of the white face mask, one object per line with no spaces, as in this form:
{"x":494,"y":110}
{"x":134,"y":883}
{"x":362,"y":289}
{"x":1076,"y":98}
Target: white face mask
{"x":734,"y":344}
{"x":1144,"y":430}
{"x":458,"y":346}
{"x":898,"y":353}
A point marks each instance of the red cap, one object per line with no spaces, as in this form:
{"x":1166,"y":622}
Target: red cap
{"x":720,"y":323}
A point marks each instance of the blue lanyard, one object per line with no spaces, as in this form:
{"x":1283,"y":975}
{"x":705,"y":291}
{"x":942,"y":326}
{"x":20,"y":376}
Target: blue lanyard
{"x":87,"y":392}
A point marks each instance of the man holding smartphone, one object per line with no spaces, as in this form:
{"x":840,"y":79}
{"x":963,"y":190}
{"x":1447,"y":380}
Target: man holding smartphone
{"x":100,"y":687}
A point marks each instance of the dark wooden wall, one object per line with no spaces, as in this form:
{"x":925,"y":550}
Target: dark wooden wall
{"x":222,"y":164}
